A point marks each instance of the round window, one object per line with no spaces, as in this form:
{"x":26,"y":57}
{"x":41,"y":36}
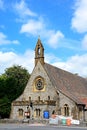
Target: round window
{"x":39,"y":84}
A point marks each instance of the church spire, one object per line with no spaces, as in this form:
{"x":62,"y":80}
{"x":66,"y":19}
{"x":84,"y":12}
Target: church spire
{"x":39,"y":52}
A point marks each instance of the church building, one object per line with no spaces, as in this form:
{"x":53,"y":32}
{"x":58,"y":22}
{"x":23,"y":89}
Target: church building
{"x":51,"y":90}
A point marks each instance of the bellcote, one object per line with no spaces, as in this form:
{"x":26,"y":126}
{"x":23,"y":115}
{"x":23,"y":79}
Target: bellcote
{"x":39,"y":52}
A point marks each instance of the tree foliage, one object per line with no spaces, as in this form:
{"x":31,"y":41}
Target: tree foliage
{"x":12,"y":84}
{"x":5,"y":107}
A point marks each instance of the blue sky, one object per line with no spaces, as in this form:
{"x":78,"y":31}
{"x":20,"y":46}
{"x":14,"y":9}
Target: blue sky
{"x":61,"y":25}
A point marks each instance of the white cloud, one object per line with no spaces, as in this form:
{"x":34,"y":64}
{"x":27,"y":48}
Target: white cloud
{"x":4,"y":40}
{"x":32,"y":27}
{"x":54,"y":37}
{"x":8,"y":59}
{"x":51,"y":58}
{"x":38,"y":27}
{"x":75,"y":64}
{"x":21,"y":8}
{"x":79,"y":20}
{"x":84,"y":42}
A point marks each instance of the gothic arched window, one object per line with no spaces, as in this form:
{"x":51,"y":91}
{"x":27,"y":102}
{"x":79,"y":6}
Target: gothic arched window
{"x":38,"y":50}
{"x":38,"y":112}
{"x":20,"y":112}
{"x":66,"y":110}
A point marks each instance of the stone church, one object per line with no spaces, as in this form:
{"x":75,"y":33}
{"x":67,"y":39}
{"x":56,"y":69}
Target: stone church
{"x":51,"y":90}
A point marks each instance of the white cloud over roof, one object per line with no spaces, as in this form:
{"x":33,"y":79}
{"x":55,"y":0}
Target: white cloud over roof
{"x":74,"y":64}
{"x":84,"y":42}
{"x":79,"y":20}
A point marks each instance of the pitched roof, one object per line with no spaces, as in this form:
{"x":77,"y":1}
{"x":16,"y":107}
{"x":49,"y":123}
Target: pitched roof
{"x":71,"y":85}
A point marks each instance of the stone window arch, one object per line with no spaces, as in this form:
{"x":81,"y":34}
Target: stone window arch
{"x":29,"y":98}
{"x":37,"y":111}
{"x":38,"y":98}
{"x":39,"y":83}
{"x":20,"y":112}
{"x":39,"y":50}
{"x":48,"y":97}
{"x":66,"y":110}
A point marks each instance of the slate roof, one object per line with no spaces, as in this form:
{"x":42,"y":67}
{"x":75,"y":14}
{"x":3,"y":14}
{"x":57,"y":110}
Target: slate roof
{"x":71,"y":85}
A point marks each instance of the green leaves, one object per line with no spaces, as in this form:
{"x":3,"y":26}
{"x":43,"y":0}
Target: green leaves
{"x":12,"y":84}
{"x":5,"y":107}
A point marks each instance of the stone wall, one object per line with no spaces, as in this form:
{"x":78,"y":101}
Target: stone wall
{"x":55,"y":103}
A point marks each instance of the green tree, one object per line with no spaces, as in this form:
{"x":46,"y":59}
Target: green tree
{"x":16,"y":80}
{"x":2,"y":87}
{"x":5,"y":107}
{"x":12,"y":84}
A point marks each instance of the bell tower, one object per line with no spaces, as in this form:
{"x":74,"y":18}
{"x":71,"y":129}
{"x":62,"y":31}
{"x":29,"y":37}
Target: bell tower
{"x":39,"y":52}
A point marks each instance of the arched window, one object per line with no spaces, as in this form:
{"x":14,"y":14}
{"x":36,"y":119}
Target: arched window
{"x":38,"y":50}
{"x":39,"y":83}
{"x":48,"y":97}
{"x":20,"y":112}
{"x":38,"y":98}
{"x":66,"y":110}
{"x":37,"y":112}
{"x":29,"y":98}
